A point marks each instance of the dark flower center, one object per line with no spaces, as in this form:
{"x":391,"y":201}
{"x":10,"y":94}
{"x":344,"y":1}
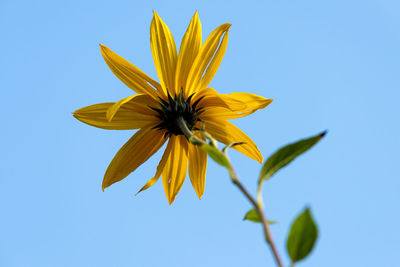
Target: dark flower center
{"x":175,"y":108}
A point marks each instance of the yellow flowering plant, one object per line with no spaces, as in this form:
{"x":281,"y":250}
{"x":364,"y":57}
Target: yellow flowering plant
{"x":182,"y":111}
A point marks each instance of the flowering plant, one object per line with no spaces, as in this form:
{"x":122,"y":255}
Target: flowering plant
{"x":184,"y":112}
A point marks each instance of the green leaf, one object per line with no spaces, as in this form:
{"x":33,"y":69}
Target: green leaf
{"x":302,"y":236}
{"x":285,"y":155}
{"x":216,"y":155}
{"x":252,"y":215}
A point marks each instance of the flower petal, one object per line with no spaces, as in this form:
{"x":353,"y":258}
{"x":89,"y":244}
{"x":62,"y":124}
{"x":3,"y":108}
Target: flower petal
{"x":137,"y":103}
{"x":141,"y":146}
{"x":190,"y":46}
{"x":175,"y":169}
{"x":211,"y":98}
{"x":250,"y":104}
{"x":164,"y":53}
{"x":225,"y":132}
{"x":129,"y":74}
{"x":197,"y":169}
{"x":208,"y":60}
{"x":124,"y":119}
{"x":160,"y":168}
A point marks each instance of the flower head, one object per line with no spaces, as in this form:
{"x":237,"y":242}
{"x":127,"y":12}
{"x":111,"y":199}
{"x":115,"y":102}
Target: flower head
{"x":183,"y":92}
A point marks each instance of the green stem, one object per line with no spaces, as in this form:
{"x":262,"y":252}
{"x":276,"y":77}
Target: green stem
{"x":189,"y":135}
{"x":258,"y":208}
{"x":257,"y":204}
{"x":259,"y":195}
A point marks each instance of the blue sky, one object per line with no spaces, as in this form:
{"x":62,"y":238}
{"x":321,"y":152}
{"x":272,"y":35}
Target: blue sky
{"x":328,"y":64}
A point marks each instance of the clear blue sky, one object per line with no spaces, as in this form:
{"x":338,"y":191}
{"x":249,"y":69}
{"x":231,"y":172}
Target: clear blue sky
{"x":328,"y":64}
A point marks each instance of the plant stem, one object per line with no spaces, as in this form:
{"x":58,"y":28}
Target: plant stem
{"x":259,"y":195}
{"x":258,"y":208}
{"x":189,"y":135}
{"x":257,"y":204}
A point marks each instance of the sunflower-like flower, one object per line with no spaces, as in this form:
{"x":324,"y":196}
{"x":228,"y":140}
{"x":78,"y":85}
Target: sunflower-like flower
{"x":182,"y":93}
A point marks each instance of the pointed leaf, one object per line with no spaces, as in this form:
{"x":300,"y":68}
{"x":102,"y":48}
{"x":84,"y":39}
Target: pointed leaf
{"x":302,"y":236}
{"x":216,"y":155}
{"x":287,"y":154}
{"x":252,"y":215}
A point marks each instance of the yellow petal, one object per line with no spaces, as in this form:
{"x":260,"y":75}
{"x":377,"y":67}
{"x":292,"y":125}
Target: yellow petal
{"x":137,"y":103}
{"x":141,"y":146}
{"x":124,"y":119}
{"x":225,"y":132}
{"x":250,"y":104}
{"x":129,"y":74}
{"x":188,"y":51}
{"x":208,"y":60}
{"x":175,"y":169}
{"x":164,"y":53}
{"x":252,"y":101}
{"x":197,"y":168}
{"x":160,"y":168}
{"x":211,"y":98}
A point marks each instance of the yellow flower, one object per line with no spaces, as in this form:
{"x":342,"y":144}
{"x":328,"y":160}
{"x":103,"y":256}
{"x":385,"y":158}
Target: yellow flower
{"x":182,"y":92}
